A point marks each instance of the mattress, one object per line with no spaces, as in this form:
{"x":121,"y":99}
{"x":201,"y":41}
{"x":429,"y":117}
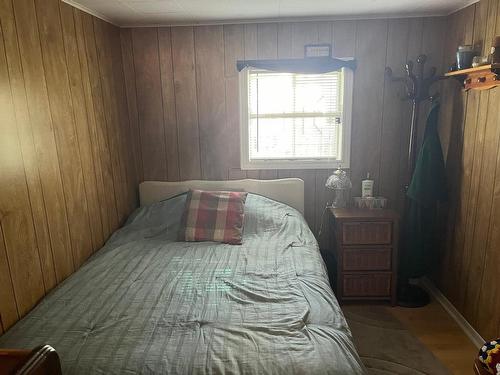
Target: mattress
{"x":145,"y":303}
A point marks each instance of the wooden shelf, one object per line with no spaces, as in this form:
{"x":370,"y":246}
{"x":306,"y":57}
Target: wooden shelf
{"x":463,"y":72}
{"x":479,"y":78}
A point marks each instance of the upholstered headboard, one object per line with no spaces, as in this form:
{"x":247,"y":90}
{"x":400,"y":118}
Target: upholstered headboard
{"x":287,"y":190}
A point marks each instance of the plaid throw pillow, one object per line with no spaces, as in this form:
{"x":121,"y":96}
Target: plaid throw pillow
{"x":213,"y":216}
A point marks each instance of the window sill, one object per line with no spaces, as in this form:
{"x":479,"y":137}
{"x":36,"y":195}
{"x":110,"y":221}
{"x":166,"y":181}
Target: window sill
{"x":289,"y":164}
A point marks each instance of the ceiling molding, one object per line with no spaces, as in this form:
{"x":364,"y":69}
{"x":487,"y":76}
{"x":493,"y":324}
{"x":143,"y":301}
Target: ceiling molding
{"x":289,"y":19}
{"x":268,"y":20}
{"x":90,"y":11}
{"x":468,"y":4}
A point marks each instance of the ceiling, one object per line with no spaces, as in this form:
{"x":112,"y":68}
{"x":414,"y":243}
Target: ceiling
{"x":175,"y":12}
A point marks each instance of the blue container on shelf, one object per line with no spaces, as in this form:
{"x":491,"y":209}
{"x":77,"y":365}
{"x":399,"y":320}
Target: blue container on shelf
{"x":465,"y":54}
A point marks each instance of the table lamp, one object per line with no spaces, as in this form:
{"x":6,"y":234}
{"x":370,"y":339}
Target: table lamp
{"x":341,"y":185}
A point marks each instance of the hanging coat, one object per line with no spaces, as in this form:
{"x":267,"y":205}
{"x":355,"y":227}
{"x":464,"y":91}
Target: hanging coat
{"x":427,"y":187}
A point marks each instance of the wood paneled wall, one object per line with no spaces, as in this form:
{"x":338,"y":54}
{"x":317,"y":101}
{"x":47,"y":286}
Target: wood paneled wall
{"x":68,"y":175}
{"x":470,"y":129}
{"x":182,"y":89}
{"x":89,"y":110}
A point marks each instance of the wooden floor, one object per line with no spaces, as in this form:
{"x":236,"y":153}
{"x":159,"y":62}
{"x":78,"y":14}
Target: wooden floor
{"x":439,"y":332}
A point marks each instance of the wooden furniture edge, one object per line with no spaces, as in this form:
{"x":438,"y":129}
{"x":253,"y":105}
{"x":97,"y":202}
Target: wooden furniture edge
{"x":354,"y":214}
{"x":478,"y":368}
{"x":43,"y":360}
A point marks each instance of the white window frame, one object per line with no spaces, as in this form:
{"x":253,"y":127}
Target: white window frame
{"x":302,"y":163}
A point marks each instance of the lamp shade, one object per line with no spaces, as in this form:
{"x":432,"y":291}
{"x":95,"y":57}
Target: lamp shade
{"x":341,"y":184}
{"x":338,"y":180}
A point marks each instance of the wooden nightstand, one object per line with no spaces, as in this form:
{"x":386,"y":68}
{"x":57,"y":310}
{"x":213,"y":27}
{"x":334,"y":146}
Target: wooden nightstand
{"x":366,"y":252}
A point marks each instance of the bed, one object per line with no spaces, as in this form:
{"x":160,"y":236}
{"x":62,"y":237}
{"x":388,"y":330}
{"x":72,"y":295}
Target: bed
{"x":146,"y":303}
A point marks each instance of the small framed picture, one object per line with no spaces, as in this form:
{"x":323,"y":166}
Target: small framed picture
{"x":318,"y":50}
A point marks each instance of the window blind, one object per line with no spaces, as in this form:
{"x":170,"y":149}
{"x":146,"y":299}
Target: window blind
{"x":295,"y":116}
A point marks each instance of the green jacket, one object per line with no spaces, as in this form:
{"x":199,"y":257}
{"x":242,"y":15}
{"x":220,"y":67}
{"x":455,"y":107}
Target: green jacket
{"x":427,"y":187}
{"x":428,"y":183}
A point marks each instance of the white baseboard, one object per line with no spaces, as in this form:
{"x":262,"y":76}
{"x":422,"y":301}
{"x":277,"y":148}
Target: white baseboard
{"x":471,"y":333}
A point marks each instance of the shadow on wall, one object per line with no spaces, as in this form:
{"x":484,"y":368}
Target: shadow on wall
{"x":451,"y":134}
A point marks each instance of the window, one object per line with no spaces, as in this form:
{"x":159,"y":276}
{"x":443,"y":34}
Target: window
{"x":295,"y":121}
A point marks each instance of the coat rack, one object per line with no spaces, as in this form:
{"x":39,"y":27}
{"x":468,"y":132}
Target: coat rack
{"x":416,"y":90}
{"x":417,"y":87}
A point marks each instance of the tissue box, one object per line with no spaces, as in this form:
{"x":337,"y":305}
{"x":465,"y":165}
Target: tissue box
{"x":370,"y":202}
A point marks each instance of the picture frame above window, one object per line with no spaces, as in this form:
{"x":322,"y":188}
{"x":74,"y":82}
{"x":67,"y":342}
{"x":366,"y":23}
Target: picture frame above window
{"x":318,"y":50}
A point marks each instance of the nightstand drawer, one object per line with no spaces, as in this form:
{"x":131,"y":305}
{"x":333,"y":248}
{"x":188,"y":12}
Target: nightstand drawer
{"x":366,"y":285}
{"x":366,"y":259}
{"x":367,"y":233}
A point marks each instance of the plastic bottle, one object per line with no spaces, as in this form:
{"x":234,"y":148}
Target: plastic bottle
{"x":367,"y":187}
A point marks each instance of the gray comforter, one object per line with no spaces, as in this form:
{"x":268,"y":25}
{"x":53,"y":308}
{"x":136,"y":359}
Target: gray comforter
{"x":148,"y":304}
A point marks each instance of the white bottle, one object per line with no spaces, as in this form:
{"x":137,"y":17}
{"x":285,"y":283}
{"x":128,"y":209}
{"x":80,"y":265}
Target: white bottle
{"x":367,"y":187}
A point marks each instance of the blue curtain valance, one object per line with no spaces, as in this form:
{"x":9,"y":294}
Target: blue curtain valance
{"x":311,"y":65}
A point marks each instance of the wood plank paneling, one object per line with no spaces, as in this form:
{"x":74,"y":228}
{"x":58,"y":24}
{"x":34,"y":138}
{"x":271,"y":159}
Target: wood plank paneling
{"x":54,"y":208}
{"x":8,"y":308}
{"x":478,"y":120}
{"x":115,"y":134}
{"x":16,"y":222}
{"x":45,"y":144}
{"x":251,"y":40}
{"x":234,"y":50}
{"x":130,"y":86}
{"x":325,"y":32}
{"x":371,"y":47}
{"x":93,"y":110}
{"x":130,"y":174}
{"x":206,"y":102}
{"x":470,"y":126}
{"x":95,"y":139}
{"x":61,"y":112}
{"x":451,"y":131}
{"x":284,"y":40}
{"x":459,"y":161}
{"x":210,"y":93}
{"x":82,"y":97}
{"x":488,"y":121}
{"x":186,"y":103}
{"x":489,"y":297}
{"x":168,"y":96}
{"x":414,"y":49}
{"x":251,"y":52}
{"x":380,"y":123}
{"x":81,"y":124}
{"x":27,"y":144}
{"x":394,"y":114}
{"x":321,"y":194}
{"x":149,"y":102}
{"x":267,"y":41}
{"x":343,"y":38}
{"x":101,"y":137}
